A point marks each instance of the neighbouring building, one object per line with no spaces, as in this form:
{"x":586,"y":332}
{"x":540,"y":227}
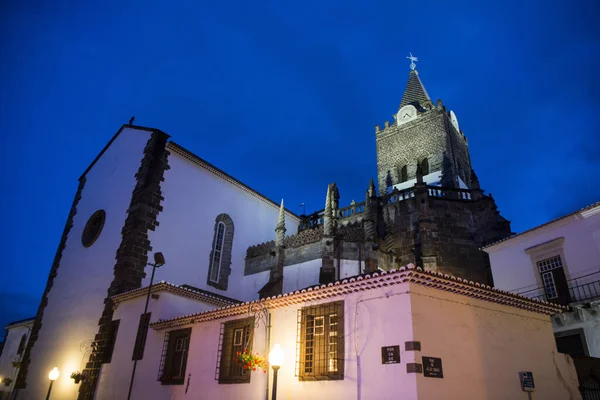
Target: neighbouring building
{"x":15,"y":341}
{"x":406,"y":333}
{"x":145,"y":194}
{"x":559,"y":262}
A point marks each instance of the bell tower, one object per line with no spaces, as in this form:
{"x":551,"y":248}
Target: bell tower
{"x":431,"y":210}
{"x":423,"y":137}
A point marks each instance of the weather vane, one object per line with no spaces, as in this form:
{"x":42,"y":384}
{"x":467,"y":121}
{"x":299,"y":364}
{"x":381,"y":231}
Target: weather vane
{"x":412,"y":61}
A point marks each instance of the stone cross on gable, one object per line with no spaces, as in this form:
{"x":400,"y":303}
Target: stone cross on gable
{"x":412,"y":61}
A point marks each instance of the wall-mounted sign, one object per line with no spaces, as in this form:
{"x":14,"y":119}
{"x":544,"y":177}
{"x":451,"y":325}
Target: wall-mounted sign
{"x":527,"y":381}
{"x":390,"y":355}
{"x":432,"y":367}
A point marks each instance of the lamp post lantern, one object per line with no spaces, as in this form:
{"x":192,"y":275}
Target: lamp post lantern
{"x":275,"y":359}
{"x":53,"y":375}
{"x":159,"y":261}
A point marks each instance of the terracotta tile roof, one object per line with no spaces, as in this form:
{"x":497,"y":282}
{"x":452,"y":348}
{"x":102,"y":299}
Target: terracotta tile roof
{"x":371,"y":281}
{"x":183,"y":290}
{"x":591,"y":206}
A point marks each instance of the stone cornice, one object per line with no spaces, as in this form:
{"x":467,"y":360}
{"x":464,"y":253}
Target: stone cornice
{"x":359,"y":283}
{"x":163,"y":286}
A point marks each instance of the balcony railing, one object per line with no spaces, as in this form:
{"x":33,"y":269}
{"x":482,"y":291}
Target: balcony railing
{"x":580,"y":293}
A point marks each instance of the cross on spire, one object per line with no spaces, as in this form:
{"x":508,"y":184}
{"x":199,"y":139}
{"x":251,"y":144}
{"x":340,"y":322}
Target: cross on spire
{"x":412,"y":61}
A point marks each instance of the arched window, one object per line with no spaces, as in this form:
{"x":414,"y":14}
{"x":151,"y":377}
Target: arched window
{"x":425,"y":166}
{"x":403,"y":174}
{"x":220,"y":255}
{"x":22,"y":344}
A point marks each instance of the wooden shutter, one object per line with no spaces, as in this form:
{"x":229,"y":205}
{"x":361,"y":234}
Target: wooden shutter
{"x":140,"y":339}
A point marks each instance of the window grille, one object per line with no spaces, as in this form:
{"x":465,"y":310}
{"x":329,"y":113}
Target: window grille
{"x":140,"y":338}
{"x":236,"y":336}
{"x":320,"y":342}
{"x":174,"y":357}
{"x":163,"y":357}
{"x":22,"y":344}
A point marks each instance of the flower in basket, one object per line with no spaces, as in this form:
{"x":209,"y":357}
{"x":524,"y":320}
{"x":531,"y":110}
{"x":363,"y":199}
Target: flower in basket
{"x":251,"y":361}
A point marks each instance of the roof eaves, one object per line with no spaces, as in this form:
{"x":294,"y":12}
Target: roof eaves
{"x":372,"y":281}
{"x":591,"y":206}
{"x":163,"y":286}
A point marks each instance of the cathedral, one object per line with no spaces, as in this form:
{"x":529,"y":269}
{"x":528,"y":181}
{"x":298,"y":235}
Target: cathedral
{"x":149,"y":212}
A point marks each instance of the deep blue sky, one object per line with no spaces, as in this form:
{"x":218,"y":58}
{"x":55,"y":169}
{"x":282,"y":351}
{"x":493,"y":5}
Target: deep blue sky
{"x":285,"y":96}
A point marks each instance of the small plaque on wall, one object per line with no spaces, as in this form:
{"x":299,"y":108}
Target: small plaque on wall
{"x":390,"y":355}
{"x":432,"y":367}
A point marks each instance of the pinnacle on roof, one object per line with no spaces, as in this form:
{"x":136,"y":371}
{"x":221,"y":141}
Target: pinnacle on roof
{"x":415,"y":91}
{"x":280,"y":229}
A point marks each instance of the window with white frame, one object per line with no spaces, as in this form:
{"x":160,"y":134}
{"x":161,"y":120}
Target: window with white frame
{"x":219,"y":266}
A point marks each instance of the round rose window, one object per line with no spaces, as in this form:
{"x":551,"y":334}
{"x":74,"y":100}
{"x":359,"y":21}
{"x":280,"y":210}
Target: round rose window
{"x":93,"y":228}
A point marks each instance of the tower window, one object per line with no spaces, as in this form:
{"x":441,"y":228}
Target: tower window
{"x":403,"y":174}
{"x":219,"y":266}
{"x":425,"y":166}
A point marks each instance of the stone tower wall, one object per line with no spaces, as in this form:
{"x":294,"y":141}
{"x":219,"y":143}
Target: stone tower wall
{"x":444,"y":235}
{"x":430,"y":136}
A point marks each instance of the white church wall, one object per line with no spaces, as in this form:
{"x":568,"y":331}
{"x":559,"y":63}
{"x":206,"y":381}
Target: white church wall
{"x":193,"y":198}
{"x":350,"y":268}
{"x":514,"y":270}
{"x":116,"y":375}
{"x":484,"y":345}
{"x":299,"y":276}
{"x":14,"y":334}
{"x":76,"y":300}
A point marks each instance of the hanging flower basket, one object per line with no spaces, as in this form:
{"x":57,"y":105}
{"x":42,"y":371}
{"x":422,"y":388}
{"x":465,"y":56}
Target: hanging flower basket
{"x":7,"y":381}
{"x":252,"y":362}
{"x":15,"y":364}
{"x":78,"y":376}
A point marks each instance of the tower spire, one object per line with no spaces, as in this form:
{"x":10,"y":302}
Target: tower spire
{"x":414,"y":91}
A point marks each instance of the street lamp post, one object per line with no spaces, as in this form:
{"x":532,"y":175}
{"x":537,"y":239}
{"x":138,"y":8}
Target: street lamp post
{"x":53,"y":375}
{"x":275,"y":359}
{"x":159,"y":261}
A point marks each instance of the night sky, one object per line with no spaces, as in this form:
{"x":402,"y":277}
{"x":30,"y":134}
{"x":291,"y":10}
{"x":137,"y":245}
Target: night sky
{"x":284,"y":96}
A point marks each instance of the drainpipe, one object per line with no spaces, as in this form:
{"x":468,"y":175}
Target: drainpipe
{"x":268,"y":340}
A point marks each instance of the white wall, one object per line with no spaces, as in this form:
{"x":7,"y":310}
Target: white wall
{"x":115,"y":376}
{"x":483,"y":346}
{"x":194,"y":197}
{"x":299,"y":276}
{"x":11,"y":347}
{"x":512,"y":267}
{"x":76,"y":300}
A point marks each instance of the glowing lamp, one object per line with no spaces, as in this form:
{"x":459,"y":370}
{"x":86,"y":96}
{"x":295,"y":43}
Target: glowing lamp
{"x":276,"y":356}
{"x":54,"y":374}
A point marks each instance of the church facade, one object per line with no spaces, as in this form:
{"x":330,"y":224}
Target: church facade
{"x":145,"y":194}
